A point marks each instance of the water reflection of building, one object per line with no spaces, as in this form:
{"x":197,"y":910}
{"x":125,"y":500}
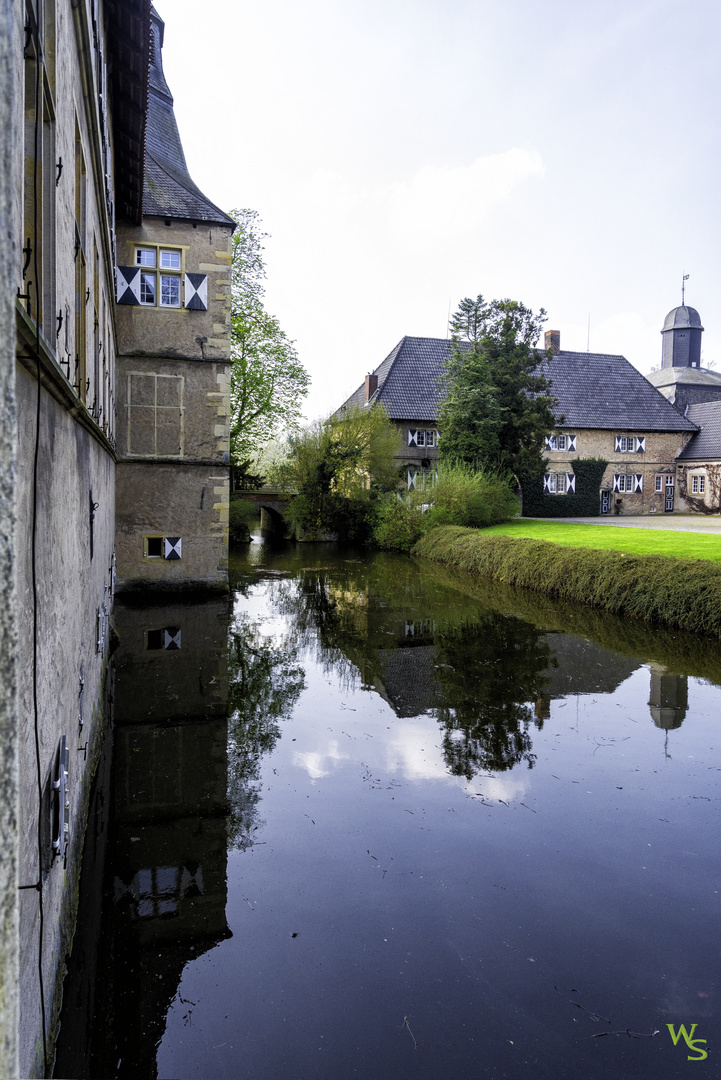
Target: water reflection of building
{"x":163,"y":858}
{"x":668,"y":700}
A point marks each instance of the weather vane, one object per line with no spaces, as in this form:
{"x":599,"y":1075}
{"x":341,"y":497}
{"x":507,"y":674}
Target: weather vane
{"x":683,"y":289}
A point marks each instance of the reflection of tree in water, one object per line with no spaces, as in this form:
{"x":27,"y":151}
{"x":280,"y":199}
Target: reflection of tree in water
{"x":489,"y":670}
{"x":265,"y":681}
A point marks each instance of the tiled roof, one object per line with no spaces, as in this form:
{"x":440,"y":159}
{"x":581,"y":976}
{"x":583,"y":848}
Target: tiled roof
{"x":408,"y":379}
{"x":706,"y":445}
{"x":168,"y":190}
{"x":595,"y":390}
{"x":603,"y":391}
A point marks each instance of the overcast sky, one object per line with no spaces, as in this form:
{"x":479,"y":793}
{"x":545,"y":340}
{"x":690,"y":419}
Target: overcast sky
{"x":404,"y":154}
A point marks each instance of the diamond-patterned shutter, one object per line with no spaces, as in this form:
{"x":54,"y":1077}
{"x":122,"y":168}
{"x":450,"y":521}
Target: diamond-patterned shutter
{"x":412,"y":438}
{"x":547,"y":482}
{"x":547,"y":444}
{"x":640,"y":444}
{"x":412,"y":478}
{"x":127,"y":285}
{"x":638,"y":482}
{"x":571,"y":442}
{"x":171,"y":637}
{"x":570,"y":483}
{"x":617,"y":447}
{"x":616,"y":482}
{"x":196,"y":292}
{"x":173,"y":547}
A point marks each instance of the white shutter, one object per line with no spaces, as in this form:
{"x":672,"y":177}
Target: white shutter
{"x":412,"y":477}
{"x":616,"y":482}
{"x":547,"y":482}
{"x":196,"y":292}
{"x":570,"y":483}
{"x":127,"y":285}
{"x":412,"y":438}
{"x":618,"y":444}
{"x":638,"y":482}
{"x":640,"y":444}
{"x":173,"y":547}
{"x":571,"y":442}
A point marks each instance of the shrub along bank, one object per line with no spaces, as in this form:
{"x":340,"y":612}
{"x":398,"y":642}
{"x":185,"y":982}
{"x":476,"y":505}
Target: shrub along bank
{"x":680,"y":593}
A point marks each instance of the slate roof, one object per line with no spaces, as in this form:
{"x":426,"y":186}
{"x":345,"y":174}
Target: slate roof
{"x":706,"y":445}
{"x":688,"y":376}
{"x":595,"y":390}
{"x":606,"y":392}
{"x":408,"y":379}
{"x":168,"y":190}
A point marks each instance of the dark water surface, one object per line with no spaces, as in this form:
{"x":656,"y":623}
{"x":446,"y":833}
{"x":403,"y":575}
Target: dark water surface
{"x":374,"y":819}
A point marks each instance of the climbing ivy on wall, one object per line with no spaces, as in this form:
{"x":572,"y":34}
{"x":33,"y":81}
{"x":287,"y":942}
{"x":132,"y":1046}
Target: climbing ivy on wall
{"x":585,"y":502}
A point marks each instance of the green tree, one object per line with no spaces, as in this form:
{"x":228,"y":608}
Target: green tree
{"x":267,"y":380}
{"x":498,"y":406}
{"x":337,"y":468}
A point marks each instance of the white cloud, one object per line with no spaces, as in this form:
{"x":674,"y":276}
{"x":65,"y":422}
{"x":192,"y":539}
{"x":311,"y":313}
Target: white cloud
{"x":441,"y":202}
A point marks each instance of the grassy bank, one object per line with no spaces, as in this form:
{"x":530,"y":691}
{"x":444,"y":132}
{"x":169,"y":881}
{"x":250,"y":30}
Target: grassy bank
{"x":682,"y":593}
{"x":679,"y":545}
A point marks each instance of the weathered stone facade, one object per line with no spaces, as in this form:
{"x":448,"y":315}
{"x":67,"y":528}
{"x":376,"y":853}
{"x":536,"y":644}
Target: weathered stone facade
{"x":173,"y":417}
{"x":657,"y":459}
{"x":80,"y":436}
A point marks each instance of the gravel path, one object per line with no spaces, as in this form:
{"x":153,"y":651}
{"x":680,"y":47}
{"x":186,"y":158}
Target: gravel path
{"x":671,"y":522}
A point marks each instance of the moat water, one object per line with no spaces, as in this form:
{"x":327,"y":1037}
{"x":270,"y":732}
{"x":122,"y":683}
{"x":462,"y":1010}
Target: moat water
{"x":371,"y":818}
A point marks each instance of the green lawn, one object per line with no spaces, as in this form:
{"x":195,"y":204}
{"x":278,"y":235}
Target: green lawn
{"x":679,"y":545}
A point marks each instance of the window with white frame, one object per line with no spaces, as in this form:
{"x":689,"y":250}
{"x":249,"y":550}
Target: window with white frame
{"x":698,"y":484}
{"x":559,"y":483}
{"x":630,"y":444}
{"x":562,"y":440}
{"x":628,"y":482}
{"x":420,"y":437}
{"x":659,"y":483}
{"x":160,"y":276}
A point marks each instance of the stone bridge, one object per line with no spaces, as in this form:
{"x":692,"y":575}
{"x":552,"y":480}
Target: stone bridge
{"x":272,"y":506}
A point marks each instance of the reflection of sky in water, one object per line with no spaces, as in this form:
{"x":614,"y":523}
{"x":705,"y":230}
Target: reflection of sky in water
{"x":522,"y":830}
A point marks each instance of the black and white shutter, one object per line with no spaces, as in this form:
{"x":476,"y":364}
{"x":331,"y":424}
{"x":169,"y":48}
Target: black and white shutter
{"x":547,"y":445}
{"x":547,"y":483}
{"x":171,"y":637}
{"x":616,"y":481}
{"x":640,"y":444}
{"x":412,"y":438}
{"x":571,"y":483}
{"x":638,"y":482}
{"x":617,"y":447}
{"x":196,"y":292}
{"x":173,"y":547}
{"x":127,"y":285}
{"x":571,"y":442}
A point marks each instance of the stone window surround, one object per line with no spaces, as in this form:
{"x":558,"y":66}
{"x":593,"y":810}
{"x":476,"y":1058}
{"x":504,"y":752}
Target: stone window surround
{"x":158,"y":272}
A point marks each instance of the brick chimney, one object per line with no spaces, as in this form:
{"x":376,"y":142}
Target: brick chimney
{"x":553,"y":341}
{"x":371,"y":386}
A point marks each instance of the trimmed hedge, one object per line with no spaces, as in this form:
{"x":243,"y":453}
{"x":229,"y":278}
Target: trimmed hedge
{"x":681,"y":593}
{"x":585,"y":502}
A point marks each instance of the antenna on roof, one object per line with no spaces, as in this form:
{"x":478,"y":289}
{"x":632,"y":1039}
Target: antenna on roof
{"x":588,"y":339}
{"x":683,"y":289}
{"x":448,"y":320}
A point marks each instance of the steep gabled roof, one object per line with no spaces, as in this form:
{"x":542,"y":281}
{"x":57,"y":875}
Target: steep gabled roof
{"x":594,"y":390}
{"x":604,"y":391}
{"x":706,"y":445}
{"x":168,"y":190}
{"x":408,"y":379}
